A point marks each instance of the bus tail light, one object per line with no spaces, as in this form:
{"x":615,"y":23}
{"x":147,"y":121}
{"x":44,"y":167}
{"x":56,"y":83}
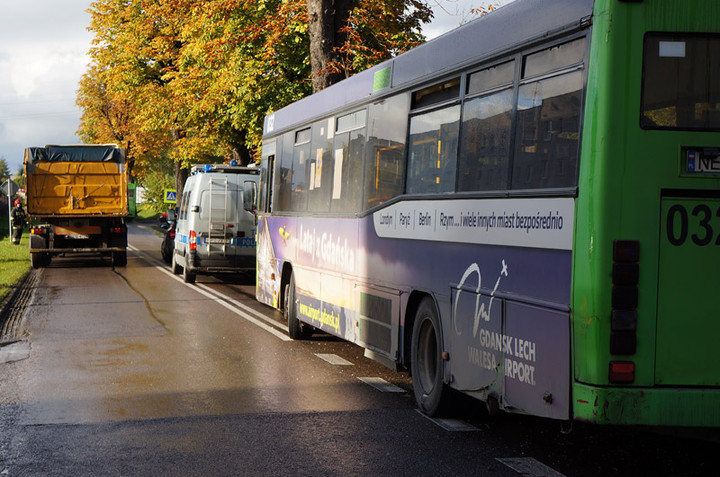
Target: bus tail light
{"x":624,"y":302}
{"x":192,"y":240}
{"x":622,"y":372}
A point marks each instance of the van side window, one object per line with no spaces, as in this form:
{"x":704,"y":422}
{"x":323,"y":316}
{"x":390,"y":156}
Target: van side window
{"x":184,"y":205}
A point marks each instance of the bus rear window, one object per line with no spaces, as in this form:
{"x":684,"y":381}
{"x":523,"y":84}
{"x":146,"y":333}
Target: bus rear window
{"x":681,"y":82}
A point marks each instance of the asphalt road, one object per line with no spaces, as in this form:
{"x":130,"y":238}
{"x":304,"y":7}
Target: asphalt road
{"x":130,"y":371}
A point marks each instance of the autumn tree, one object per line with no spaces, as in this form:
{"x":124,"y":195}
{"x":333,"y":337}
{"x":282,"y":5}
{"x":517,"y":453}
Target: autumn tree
{"x":190,"y":81}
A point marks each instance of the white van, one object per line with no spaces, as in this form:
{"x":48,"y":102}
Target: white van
{"x":215,"y":230}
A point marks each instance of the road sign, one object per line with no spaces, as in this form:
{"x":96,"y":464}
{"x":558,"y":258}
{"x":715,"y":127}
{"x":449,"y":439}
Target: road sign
{"x":8,"y":184}
{"x":170,"y":196}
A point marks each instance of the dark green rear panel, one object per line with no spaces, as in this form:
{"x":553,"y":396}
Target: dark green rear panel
{"x":687,"y":352}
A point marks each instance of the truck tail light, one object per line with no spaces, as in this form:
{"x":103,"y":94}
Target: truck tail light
{"x":118,"y":230}
{"x":37,"y":230}
{"x":192,"y":240}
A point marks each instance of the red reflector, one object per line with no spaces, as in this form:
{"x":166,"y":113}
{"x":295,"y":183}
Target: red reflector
{"x":192,"y":240}
{"x":622,"y":372}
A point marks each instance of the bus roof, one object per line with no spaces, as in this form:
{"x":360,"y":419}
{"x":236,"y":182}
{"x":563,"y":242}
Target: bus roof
{"x":508,"y":27}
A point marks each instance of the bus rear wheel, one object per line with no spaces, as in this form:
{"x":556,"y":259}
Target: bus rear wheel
{"x":431,"y":393}
{"x":296,"y":329}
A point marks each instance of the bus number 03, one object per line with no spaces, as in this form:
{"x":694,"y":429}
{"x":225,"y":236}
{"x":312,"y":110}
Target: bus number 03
{"x":678,"y":215}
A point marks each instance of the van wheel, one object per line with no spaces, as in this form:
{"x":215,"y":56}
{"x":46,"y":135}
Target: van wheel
{"x":296,"y":329}
{"x":188,"y":276}
{"x":431,"y":393}
{"x":176,"y":269}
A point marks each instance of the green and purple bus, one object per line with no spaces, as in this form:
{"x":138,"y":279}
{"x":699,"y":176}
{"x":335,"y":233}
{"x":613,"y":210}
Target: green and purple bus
{"x":525,"y":210}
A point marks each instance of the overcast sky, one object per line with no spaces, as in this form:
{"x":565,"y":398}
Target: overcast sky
{"x":43,"y":54}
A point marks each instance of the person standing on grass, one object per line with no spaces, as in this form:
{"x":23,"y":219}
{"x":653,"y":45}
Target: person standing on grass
{"x":18,"y":222}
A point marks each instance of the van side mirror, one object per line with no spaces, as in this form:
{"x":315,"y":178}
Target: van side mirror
{"x":249,"y":196}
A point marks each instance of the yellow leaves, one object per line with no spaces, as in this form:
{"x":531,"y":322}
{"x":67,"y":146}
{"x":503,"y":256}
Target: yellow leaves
{"x":193,"y":78}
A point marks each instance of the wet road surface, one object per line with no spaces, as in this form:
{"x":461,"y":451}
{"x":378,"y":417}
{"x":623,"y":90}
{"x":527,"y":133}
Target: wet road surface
{"x":130,"y":371}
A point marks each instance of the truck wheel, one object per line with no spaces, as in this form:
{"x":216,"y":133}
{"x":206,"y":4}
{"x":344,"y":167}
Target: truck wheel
{"x":37,"y":260}
{"x":296,"y":329}
{"x":431,"y":393}
{"x":188,"y":276}
{"x":119,"y":259}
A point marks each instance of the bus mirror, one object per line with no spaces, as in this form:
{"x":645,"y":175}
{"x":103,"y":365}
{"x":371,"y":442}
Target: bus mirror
{"x":249,"y":196}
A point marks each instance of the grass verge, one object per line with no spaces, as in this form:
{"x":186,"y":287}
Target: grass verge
{"x":14,"y":263}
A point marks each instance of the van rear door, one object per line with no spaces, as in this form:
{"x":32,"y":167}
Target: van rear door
{"x":218,"y":219}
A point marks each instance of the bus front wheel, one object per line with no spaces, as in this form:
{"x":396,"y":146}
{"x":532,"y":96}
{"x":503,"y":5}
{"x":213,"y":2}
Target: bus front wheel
{"x":431,"y":393}
{"x":296,"y":329}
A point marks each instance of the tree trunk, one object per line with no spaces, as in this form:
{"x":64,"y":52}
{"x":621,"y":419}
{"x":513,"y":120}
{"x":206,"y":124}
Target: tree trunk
{"x":181,"y":173}
{"x":327,"y":18}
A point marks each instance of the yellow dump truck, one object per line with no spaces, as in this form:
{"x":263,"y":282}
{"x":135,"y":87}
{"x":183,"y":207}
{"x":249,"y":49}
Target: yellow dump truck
{"x":77,"y":201}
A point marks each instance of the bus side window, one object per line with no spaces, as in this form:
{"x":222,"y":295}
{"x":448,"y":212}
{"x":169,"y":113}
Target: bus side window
{"x":348,"y":171}
{"x":432,"y":162}
{"x":485,"y":151}
{"x":547,"y":149}
{"x":284,"y":179}
{"x":548,"y":118}
{"x":320,"y":167}
{"x":385,"y":152}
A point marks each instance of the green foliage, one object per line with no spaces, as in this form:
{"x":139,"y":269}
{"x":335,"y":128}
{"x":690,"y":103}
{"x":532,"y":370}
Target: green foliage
{"x":158,"y":176}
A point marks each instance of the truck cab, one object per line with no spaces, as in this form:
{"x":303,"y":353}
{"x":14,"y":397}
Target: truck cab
{"x":215,"y":230}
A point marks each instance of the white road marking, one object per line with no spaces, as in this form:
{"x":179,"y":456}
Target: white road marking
{"x":452,"y":425}
{"x":381,"y":385}
{"x":527,"y":466}
{"x":334,"y":359}
{"x":215,"y":296}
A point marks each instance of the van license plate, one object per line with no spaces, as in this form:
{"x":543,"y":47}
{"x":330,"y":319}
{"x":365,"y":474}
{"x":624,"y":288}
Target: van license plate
{"x":216,"y":240}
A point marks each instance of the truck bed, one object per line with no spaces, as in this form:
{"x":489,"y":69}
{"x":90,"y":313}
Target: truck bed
{"x":77,"y":189}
